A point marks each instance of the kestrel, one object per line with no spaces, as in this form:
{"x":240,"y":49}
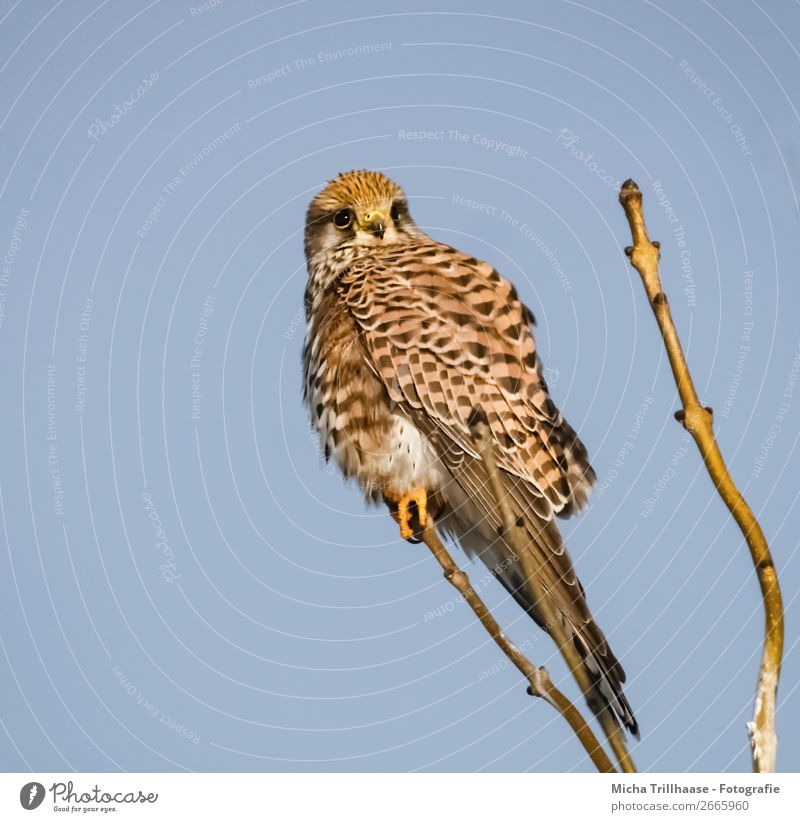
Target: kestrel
{"x":406,"y":337}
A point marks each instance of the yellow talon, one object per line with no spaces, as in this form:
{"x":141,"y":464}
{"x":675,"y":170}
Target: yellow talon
{"x":402,"y":513}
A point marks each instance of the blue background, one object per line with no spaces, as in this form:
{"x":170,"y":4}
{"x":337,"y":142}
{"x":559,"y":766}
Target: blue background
{"x":274,"y":623}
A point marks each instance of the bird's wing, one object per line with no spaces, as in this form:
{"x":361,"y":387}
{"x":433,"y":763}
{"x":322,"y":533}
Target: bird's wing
{"x":445,"y":333}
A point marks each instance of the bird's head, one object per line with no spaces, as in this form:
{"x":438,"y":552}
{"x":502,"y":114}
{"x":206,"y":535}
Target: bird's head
{"x":358,"y":208}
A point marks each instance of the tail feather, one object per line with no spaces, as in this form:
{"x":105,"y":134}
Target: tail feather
{"x":605,"y":672}
{"x":475,"y":525}
{"x":607,"y":681}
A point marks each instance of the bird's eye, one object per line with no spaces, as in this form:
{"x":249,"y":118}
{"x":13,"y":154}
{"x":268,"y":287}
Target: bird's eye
{"x":342,"y":218}
{"x":395,"y":212}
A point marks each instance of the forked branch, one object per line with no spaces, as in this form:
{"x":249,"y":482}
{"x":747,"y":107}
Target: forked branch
{"x":697,"y":420}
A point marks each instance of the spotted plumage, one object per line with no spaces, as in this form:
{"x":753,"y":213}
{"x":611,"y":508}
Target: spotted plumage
{"x":406,"y":336}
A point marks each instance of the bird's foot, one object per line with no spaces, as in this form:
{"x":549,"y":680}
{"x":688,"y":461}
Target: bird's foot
{"x":410,"y":511}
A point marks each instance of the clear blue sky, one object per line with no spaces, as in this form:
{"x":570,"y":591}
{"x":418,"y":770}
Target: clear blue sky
{"x":183,"y":583}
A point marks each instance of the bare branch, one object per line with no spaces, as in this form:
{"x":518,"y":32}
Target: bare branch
{"x":538,"y":678}
{"x":697,"y":420}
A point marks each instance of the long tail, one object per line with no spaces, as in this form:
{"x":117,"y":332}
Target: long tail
{"x":476,"y":528}
{"x":568,"y":599}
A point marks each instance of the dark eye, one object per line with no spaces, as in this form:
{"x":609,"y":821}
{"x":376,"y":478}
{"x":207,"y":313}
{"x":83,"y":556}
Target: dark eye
{"x":395,"y":212}
{"x":342,"y":218}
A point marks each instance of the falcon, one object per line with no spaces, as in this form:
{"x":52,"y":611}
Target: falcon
{"x":406,"y":338}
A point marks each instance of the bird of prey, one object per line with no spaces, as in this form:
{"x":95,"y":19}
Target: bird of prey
{"x":406,"y":337}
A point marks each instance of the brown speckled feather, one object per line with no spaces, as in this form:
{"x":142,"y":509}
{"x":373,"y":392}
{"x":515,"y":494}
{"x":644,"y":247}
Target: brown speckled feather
{"x":446,"y":333}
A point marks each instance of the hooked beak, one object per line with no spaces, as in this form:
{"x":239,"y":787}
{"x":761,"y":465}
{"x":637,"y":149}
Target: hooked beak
{"x":375,"y":223}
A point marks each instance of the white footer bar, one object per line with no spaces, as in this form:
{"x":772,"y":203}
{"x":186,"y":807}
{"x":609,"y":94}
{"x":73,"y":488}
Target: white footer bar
{"x":401,"y":797}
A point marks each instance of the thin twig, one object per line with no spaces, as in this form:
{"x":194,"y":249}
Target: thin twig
{"x":540,"y":683}
{"x":513,"y":533}
{"x":697,"y":420}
